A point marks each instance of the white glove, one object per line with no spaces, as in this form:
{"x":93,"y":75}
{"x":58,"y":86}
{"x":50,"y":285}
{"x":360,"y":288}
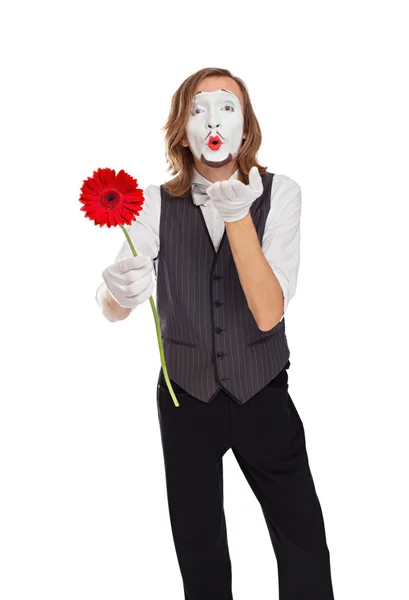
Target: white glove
{"x":130,"y":280}
{"x":233,"y":199}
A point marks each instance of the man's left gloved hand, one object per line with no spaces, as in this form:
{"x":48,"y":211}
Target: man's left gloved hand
{"x":233,"y":199}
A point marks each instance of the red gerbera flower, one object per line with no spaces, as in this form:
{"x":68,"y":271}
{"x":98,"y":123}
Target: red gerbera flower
{"x":111,"y":199}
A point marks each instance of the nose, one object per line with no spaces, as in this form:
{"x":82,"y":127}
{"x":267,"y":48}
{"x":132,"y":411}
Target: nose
{"x":213,"y":118}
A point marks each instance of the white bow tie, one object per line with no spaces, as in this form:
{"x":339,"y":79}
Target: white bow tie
{"x":199,"y":195}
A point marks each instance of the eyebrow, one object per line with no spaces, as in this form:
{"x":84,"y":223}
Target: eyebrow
{"x":223,"y":90}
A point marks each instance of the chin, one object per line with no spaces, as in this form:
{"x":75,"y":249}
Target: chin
{"x":216,"y":163}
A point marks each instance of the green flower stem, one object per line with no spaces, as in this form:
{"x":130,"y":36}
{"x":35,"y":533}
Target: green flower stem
{"x":158,"y":332}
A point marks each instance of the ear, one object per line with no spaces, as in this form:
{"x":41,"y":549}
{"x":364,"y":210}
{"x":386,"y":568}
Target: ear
{"x":244,"y":136}
{"x":184,"y":142}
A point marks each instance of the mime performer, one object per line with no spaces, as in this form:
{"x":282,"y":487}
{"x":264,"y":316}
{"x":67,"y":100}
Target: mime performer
{"x":222,"y":239}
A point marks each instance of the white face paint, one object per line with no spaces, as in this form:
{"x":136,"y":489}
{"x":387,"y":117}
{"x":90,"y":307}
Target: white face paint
{"x":215,"y":128}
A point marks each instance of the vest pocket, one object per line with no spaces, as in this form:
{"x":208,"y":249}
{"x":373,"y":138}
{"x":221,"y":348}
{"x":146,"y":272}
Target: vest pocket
{"x":180,"y":343}
{"x":275,"y":330}
{"x":261,"y":340}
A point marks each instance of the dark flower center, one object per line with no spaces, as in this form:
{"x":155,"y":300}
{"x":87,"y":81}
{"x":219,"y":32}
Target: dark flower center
{"x":110,"y":198}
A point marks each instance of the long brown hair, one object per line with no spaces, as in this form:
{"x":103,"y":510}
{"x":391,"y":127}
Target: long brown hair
{"x":179,"y":158}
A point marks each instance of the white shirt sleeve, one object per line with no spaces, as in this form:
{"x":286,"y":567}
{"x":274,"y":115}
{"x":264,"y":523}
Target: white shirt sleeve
{"x":281,"y":239}
{"x":144,"y":231}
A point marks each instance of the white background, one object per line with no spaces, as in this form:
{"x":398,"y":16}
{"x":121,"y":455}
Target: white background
{"x":85,"y":85}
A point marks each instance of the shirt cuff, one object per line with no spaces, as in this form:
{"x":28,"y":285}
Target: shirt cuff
{"x":285,"y":288}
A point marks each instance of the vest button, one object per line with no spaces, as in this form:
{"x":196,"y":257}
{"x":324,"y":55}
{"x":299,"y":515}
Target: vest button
{"x":220,"y":354}
{"x":216,"y":276}
{"x":218,"y":330}
{"x":217,"y":303}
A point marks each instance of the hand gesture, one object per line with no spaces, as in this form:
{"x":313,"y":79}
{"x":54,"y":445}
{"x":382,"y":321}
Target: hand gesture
{"x":233,"y":199}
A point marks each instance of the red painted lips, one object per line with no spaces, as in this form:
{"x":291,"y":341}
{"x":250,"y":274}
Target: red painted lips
{"x":214,"y":142}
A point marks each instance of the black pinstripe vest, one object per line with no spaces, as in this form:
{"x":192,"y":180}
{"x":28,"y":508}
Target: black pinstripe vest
{"x":210,"y":337}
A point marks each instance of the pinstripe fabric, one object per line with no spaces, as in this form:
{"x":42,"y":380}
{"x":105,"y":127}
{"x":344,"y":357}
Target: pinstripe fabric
{"x":210,"y":337}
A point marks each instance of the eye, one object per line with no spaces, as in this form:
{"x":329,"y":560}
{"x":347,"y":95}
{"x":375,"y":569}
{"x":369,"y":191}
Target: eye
{"x":196,"y":110}
{"x":228,"y":107}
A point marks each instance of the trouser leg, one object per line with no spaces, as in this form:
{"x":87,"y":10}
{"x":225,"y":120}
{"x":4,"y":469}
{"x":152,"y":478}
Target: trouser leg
{"x":195,"y":436}
{"x":268,"y":441}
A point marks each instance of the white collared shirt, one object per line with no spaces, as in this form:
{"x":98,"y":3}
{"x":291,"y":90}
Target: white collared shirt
{"x":280,"y":242}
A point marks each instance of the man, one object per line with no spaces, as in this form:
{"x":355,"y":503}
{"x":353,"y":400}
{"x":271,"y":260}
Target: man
{"x":223,"y":237}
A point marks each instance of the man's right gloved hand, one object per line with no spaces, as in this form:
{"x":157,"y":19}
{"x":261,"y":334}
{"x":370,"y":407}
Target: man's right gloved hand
{"x":130,"y":280}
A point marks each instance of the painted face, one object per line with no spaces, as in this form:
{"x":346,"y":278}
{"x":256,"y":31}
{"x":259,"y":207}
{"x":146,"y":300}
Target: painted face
{"x":215,"y":128}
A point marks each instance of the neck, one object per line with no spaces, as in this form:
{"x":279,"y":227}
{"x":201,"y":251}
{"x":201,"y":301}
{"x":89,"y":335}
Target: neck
{"x":214,"y":174}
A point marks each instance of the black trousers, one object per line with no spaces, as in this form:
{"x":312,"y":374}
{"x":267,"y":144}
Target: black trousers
{"x":267,"y":437}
